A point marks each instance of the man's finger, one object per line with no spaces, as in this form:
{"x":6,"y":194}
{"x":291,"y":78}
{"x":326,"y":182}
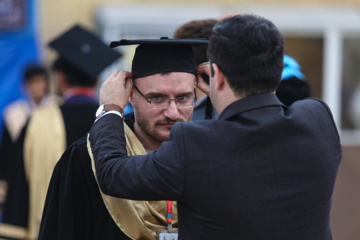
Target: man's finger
{"x":203,"y":68}
{"x":113,"y":75}
{"x":123,"y":76}
{"x":110,"y":78}
{"x":202,"y":85}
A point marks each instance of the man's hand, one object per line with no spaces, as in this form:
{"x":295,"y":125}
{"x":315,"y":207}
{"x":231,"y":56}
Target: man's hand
{"x":116,"y":89}
{"x":201,"y":84}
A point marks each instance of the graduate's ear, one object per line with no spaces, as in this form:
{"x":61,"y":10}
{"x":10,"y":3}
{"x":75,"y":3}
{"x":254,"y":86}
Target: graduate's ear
{"x":131,"y":97}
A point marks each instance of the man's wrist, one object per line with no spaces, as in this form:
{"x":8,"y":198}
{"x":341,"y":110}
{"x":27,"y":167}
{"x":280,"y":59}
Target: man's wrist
{"x":109,"y":108}
{"x":113,"y":107}
{"x":113,"y":112}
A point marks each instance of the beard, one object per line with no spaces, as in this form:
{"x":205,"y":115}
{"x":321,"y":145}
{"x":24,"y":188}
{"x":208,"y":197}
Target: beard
{"x":152,"y":128}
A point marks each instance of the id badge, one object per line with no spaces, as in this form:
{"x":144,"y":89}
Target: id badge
{"x":168,"y":236}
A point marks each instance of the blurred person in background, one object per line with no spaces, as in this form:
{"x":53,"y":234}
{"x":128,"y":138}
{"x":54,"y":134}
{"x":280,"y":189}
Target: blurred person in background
{"x":293,"y":85}
{"x":81,"y":58}
{"x":15,"y":115}
{"x":75,"y":207}
{"x":36,"y":94}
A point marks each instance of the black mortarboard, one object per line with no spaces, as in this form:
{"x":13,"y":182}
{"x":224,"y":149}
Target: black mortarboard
{"x":162,"y":55}
{"x":84,"y":51}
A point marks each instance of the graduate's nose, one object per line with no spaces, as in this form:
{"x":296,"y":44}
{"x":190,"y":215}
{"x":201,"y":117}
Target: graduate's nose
{"x":172,"y":112}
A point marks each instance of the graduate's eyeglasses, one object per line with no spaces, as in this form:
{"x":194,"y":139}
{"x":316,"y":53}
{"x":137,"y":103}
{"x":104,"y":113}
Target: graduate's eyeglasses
{"x":160,"y":102}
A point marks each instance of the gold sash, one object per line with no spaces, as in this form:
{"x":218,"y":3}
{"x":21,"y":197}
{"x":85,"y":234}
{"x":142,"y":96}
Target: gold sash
{"x":12,"y":232}
{"x":137,"y":219}
{"x":45,"y":141}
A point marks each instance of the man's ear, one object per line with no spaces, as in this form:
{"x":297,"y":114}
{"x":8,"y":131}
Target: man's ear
{"x":218,"y":76}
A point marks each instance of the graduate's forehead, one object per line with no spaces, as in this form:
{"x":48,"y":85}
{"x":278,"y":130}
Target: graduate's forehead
{"x":170,"y":83}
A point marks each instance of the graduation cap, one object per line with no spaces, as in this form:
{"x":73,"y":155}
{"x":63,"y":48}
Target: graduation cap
{"x":84,"y":51}
{"x":162,"y":55}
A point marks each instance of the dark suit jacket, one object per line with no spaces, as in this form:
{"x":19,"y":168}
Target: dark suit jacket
{"x":261,"y":171}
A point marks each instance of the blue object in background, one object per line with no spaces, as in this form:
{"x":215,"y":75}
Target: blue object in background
{"x":291,"y":69}
{"x":18,"y":48}
{"x":128,"y":109}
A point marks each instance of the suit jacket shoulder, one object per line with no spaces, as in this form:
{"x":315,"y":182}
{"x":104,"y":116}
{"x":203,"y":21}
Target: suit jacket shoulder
{"x":318,"y":109}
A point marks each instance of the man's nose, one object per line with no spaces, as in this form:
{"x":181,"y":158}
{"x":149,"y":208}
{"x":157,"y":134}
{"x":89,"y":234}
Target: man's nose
{"x":172,"y":112}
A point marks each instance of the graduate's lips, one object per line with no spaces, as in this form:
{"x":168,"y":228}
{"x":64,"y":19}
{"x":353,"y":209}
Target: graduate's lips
{"x":167,"y":124}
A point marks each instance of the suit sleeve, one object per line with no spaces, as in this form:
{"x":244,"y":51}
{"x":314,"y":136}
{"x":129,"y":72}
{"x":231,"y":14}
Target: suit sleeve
{"x":156,"y":176}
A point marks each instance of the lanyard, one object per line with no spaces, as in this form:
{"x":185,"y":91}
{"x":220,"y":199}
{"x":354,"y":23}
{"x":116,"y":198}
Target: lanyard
{"x":169,"y":211}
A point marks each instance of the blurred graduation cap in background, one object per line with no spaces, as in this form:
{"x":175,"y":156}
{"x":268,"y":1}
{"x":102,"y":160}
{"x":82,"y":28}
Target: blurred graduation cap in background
{"x":293,"y":85}
{"x":162,"y":55}
{"x":81,"y":50}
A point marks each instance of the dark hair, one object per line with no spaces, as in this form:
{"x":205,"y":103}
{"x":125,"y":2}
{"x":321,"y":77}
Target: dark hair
{"x":34,"y":70}
{"x":197,"y":29}
{"x":74,"y":76}
{"x":248,"y":49}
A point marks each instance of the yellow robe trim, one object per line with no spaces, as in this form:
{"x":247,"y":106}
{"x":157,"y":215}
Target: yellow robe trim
{"x":11,"y":231}
{"x":137,"y":219}
{"x":45,"y":141}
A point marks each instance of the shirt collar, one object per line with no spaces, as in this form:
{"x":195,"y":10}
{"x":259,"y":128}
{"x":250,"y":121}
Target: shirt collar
{"x":250,"y":103}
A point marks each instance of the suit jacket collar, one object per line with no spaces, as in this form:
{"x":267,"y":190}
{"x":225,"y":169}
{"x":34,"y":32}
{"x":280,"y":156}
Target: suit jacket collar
{"x":250,"y":103}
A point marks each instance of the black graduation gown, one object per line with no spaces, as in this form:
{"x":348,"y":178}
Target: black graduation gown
{"x":6,"y":154}
{"x":16,"y":207}
{"x":74,"y":208}
{"x":78,"y":115}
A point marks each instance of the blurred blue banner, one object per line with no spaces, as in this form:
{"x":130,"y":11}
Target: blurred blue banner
{"x":18,"y":47}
